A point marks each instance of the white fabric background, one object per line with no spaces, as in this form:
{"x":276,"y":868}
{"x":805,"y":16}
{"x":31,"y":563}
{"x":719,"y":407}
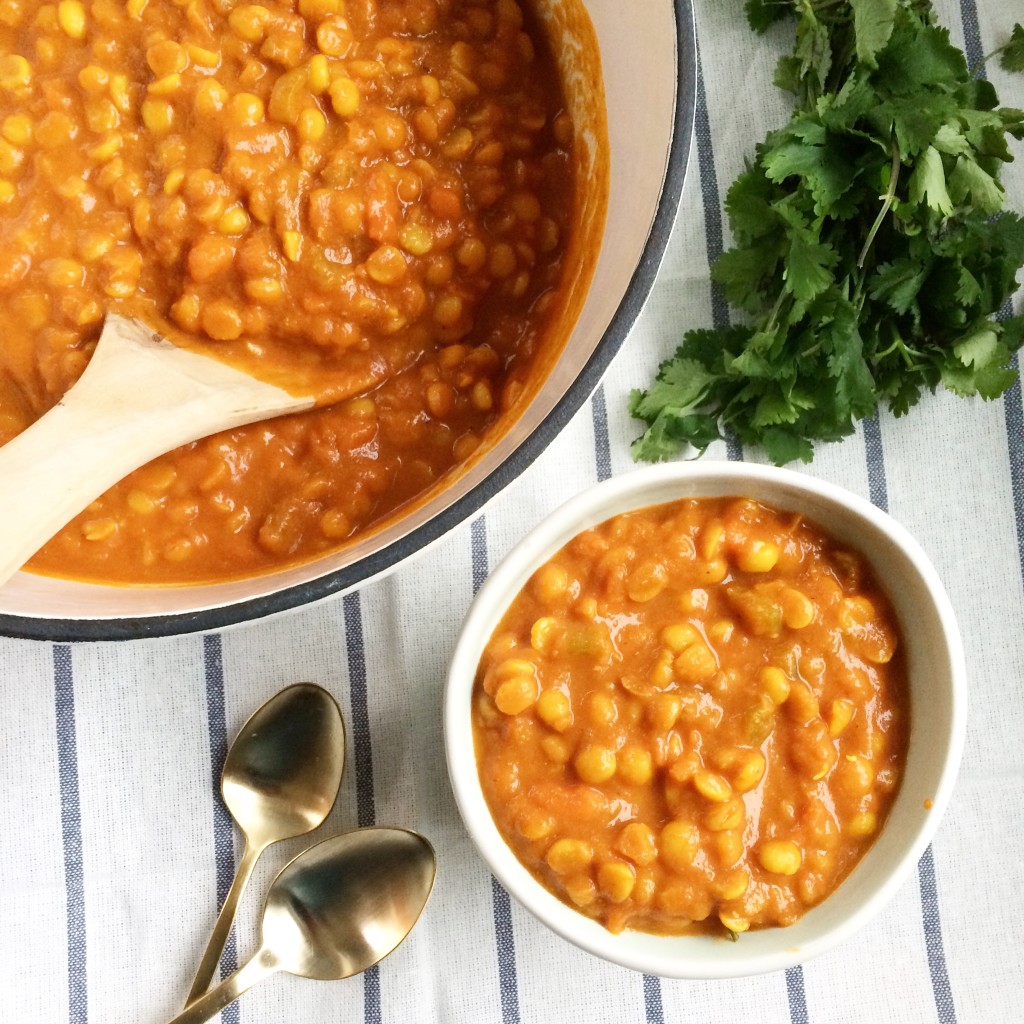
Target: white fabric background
{"x":120,"y":940}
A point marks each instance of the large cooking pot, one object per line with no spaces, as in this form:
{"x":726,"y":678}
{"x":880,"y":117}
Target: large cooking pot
{"x":648,"y":63}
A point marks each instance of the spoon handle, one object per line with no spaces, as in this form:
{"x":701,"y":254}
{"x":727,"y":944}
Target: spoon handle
{"x":140,"y":396}
{"x":221,"y":930}
{"x":260,"y":967}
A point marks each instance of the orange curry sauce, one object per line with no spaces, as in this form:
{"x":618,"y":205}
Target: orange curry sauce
{"x":326,"y":187}
{"x":694,"y":716}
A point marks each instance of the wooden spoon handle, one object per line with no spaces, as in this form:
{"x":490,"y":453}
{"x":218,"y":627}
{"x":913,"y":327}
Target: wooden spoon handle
{"x":139,"y":397}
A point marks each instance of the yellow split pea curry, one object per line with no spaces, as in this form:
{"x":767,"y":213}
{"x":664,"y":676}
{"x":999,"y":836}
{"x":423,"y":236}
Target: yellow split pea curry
{"x":378,"y":193}
{"x":693,"y":718}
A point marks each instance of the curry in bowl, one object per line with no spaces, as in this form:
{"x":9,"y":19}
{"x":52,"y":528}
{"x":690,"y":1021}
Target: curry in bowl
{"x":383,"y":196}
{"x":694,"y":717}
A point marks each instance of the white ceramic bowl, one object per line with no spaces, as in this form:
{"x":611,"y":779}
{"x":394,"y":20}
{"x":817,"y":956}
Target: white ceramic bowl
{"x":935,"y":663}
{"x":648,"y":64}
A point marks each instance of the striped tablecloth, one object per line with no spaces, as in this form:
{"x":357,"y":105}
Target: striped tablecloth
{"x":114,"y":848}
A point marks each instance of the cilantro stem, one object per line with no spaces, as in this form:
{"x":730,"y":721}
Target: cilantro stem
{"x":886,"y":352}
{"x":984,"y":60}
{"x":890,"y":197}
{"x":773,"y":318}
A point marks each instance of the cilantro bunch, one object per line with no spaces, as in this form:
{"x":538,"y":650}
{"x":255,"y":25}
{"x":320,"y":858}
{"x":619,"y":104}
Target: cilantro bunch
{"x":871,"y":251}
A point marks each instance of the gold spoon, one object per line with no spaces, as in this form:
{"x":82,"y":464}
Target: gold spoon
{"x":280,"y":780}
{"x":334,"y":911}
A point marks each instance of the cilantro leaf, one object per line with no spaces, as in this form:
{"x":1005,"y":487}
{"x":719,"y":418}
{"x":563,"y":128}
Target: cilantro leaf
{"x":1012,"y":57}
{"x":928,"y":183}
{"x":713,"y":348}
{"x":873,"y":22}
{"x":672,"y":410}
{"x":680,"y":385}
{"x":1013,"y":333}
{"x":968,"y":180}
{"x":842,"y":111}
{"x":968,"y":291}
{"x":1013,"y":121}
{"x":748,"y":204}
{"x":918,"y":58}
{"x":788,"y":74}
{"x":669,"y":433}
{"x":808,"y":271}
{"x":807,"y":150}
{"x":854,"y":389}
{"x":746,"y":272}
{"x":905,"y":394}
{"x":784,"y":446}
{"x":898,"y":283}
{"x":755,"y":362}
{"x":776,"y":407}
{"x":950,"y":140}
{"x":989,"y":381}
{"x":914,"y":123}
{"x":813,"y":50}
{"x":978,"y":348}
{"x":762,"y":14}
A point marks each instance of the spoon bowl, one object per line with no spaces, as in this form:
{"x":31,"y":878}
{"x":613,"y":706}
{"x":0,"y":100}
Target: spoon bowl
{"x":282,"y":773}
{"x":326,"y":923}
{"x":334,"y":911}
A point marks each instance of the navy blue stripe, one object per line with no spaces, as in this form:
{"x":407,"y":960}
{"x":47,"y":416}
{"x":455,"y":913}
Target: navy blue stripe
{"x":478,"y":547}
{"x":371,"y":996}
{"x":973,"y":50}
{"x":712,"y":201}
{"x":508,"y":982}
{"x":504,"y":935}
{"x":1015,"y":442}
{"x":878,"y":489}
{"x":366,"y":806}
{"x":710,"y":194}
{"x":223,"y":832}
{"x":941,"y":993}
{"x":366,"y":811}
{"x":653,"y":1009}
{"x":71,"y":832}
{"x":733,"y":449}
{"x":944,"y":1006}
{"x":796,"y":995}
{"x":602,"y":445}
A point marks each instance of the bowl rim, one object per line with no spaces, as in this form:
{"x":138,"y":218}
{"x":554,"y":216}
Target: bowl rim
{"x":392,"y":555}
{"x":590,"y":507}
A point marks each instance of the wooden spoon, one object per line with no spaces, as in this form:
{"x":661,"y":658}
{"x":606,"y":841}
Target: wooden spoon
{"x":140,"y":396}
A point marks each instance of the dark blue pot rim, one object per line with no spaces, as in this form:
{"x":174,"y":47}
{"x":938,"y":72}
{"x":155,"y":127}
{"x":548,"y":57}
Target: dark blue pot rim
{"x":350,"y":576}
